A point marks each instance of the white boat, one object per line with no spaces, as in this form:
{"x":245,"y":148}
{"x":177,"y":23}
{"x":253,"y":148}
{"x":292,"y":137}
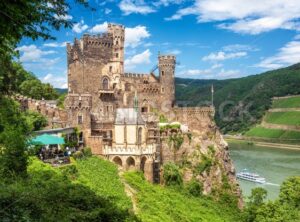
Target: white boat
{"x":246,"y":175}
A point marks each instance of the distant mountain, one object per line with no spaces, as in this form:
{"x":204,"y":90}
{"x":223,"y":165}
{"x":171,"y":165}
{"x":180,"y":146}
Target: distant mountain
{"x":240,"y":102}
{"x":61,"y":90}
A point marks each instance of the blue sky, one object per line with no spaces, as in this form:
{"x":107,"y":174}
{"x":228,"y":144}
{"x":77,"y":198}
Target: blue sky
{"x":212,"y":39}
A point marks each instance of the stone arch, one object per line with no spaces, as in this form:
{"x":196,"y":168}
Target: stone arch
{"x":143,"y":162}
{"x":130,"y":162}
{"x":117,"y":160}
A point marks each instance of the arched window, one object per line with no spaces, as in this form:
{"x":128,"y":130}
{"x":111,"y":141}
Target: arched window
{"x":140,"y":131}
{"x":105,"y":84}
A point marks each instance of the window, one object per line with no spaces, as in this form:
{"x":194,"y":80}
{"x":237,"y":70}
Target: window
{"x":162,"y":73}
{"x":117,"y":55}
{"x":140,"y":135}
{"x":117,"y":42}
{"x":127,"y":87}
{"x":79,"y":120}
{"x":144,"y":109}
{"x":105,"y":84}
{"x":110,"y":69}
{"x":162,"y":90}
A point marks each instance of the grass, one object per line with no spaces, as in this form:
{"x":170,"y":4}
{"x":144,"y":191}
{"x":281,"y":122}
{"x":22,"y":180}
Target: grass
{"x":273,"y":133}
{"x":284,"y":118}
{"x":102,"y":177}
{"x":293,"y":102}
{"x":157,"y":203}
{"x":264,"y":132}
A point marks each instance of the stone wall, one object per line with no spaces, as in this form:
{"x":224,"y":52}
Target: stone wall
{"x":57,"y":118}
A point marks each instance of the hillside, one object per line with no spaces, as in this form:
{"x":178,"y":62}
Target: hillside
{"x":90,"y":189}
{"x":240,"y":102}
{"x":281,"y":121}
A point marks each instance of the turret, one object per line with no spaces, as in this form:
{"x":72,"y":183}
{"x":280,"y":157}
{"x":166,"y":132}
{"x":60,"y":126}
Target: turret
{"x":118,"y":33}
{"x":166,"y":66}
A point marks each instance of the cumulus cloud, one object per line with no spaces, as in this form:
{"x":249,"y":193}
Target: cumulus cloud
{"x":287,"y":55}
{"x":138,"y":59}
{"x":135,"y":35}
{"x":63,"y":17}
{"x":249,"y":16}
{"x":80,"y":27}
{"x":135,"y":7}
{"x":58,"y":81}
{"x":31,"y":53}
{"x":55,"y":44}
{"x":221,"y":56}
{"x":99,"y":28}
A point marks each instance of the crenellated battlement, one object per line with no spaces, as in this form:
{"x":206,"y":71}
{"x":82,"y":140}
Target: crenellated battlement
{"x":55,"y":115}
{"x":136,"y":75}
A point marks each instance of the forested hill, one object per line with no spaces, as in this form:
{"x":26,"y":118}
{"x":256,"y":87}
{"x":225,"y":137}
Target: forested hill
{"x":240,"y":102}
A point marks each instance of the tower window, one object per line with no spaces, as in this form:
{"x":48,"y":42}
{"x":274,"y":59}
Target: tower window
{"x":117,"y":55}
{"x":110,"y":69}
{"x":79,"y":119}
{"x":105,"y":84}
{"x":162,"y":73}
{"x":117,"y":42}
{"x":162,"y":90}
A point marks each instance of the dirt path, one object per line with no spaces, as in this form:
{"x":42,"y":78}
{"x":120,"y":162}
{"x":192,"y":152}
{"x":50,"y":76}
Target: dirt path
{"x":130,"y":192}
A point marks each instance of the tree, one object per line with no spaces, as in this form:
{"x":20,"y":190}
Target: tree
{"x":290,"y":191}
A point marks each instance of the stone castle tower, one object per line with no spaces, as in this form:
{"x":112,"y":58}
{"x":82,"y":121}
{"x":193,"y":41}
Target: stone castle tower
{"x":117,"y":112}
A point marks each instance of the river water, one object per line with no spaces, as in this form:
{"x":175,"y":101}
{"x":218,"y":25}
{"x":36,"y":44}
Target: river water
{"x":274,"y":164}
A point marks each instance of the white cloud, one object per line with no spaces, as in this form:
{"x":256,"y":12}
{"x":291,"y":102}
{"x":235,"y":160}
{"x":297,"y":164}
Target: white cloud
{"x":248,"y":16}
{"x":107,"y":11}
{"x":297,"y":37}
{"x":58,"y":81}
{"x":167,"y":2}
{"x":135,"y":35}
{"x":31,"y":53}
{"x":227,"y":74}
{"x":173,"y":52}
{"x":99,"y":28}
{"x":138,"y":59}
{"x":221,"y":56}
{"x":63,"y":17}
{"x":287,"y":55}
{"x":80,"y":27}
{"x":239,"y":47}
{"x":135,"y":6}
{"x":55,"y":44}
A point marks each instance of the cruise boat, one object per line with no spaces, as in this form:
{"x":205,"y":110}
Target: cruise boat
{"x":246,"y":175}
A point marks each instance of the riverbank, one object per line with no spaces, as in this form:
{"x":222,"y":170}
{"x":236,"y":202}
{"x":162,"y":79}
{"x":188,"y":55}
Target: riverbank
{"x":249,"y":141}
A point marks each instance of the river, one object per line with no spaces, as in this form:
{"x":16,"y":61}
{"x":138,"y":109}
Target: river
{"x":274,"y":164}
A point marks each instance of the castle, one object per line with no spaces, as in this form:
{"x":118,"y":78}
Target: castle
{"x":117,"y":113}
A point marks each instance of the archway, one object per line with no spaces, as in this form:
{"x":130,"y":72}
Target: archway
{"x":143,"y":162}
{"x":117,"y":160}
{"x":130,"y":163}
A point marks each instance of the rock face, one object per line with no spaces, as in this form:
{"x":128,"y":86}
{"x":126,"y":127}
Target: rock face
{"x":203,"y":156}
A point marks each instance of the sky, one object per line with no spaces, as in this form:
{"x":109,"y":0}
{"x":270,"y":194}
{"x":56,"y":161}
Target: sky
{"x":212,"y":39}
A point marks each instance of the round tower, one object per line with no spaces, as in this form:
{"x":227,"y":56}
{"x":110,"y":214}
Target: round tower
{"x":166,"y":66}
{"x":118,"y":33}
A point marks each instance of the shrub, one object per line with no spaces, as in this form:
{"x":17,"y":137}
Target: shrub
{"x":172,"y":175}
{"x":78,"y":155}
{"x":87,"y":152}
{"x":204,"y":165}
{"x":195,"y":188}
